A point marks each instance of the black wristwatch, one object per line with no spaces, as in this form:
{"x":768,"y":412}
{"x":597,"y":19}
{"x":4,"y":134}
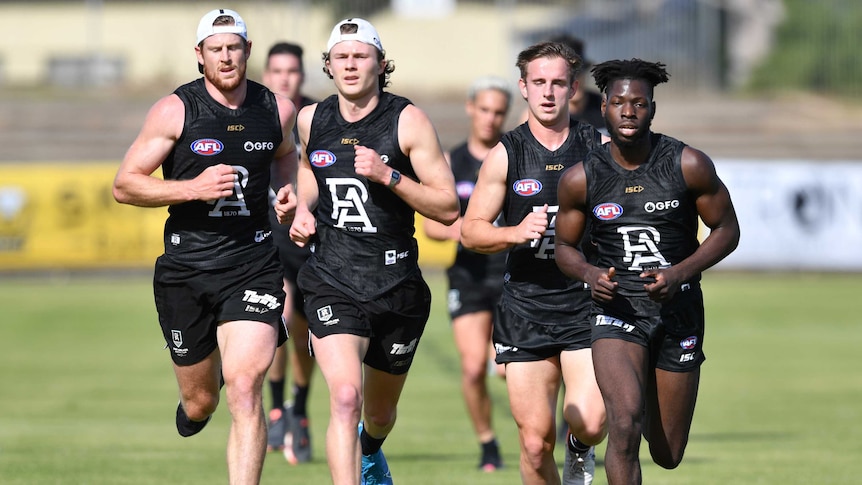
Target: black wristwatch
{"x":394,"y":179}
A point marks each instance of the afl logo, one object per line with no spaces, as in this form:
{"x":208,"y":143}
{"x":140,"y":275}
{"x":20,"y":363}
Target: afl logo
{"x":527,"y":187}
{"x":688,"y":343}
{"x":207,"y":147}
{"x":608,"y":211}
{"x":322,"y":158}
{"x":464,"y":189}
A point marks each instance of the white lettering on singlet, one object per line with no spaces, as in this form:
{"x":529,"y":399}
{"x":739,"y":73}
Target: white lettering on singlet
{"x":641,"y":246}
{"x":233,"y":205}
{"x":544,"y":246}
{"x":348,"y":211}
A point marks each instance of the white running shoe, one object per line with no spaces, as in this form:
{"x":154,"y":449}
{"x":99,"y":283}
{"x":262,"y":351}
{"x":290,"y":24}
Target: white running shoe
{"x":580,"y":467}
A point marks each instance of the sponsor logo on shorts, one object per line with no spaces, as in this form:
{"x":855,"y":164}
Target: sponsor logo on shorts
{"x":502,"y":349}
{"x":687,"y":357}
{"x":177,"y":339}
{"x":527,"y":187}
{"x":453,"y":300}
{"x":602,"y":320}
{"x":688,"y":343}
{"x":260,"y":236}
{"x":392,"y":256}
{"x":207,"y":147}
{"x":266,"y":301}
{"x":608,"y":211}
{"x":321,"y":158}
{"x":175,"y":239}
{"x":324,"y":314}
{"x":401,"y":349}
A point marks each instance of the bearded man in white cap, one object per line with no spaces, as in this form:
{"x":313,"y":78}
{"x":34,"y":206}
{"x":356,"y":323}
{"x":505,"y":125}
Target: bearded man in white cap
{"x":369,"y":160}
{"x":218,"y":286}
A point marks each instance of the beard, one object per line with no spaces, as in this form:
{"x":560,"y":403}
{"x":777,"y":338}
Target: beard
{"x":215,"y":77}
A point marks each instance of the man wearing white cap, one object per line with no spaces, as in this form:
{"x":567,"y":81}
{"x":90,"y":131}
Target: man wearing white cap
{"x":370,"y":160}
{"x":218,"y":286}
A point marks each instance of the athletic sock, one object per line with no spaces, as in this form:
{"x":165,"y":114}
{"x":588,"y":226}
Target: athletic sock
{"x":577,"y":446}
{"x":277,"y":390}
{"x":300,"y":400}
{"x":490,"y":447}
{"x":369,"y":445}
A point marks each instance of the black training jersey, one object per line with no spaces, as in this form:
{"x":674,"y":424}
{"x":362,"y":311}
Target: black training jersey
{"x":365,"y":232}
{"x":234,"y":229}
{"x":643,"y":218}
{"x":532,"y":278}
{"x":465,"y":167}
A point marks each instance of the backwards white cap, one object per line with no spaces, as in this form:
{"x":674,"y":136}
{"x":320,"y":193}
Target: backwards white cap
{"x":365,"y":33}
{"x":206,"y":27}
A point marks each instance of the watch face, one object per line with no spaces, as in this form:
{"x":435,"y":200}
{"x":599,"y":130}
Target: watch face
{"x":394,"y":178}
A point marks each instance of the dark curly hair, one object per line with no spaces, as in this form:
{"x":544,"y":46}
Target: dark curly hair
{"x":653,"y":73}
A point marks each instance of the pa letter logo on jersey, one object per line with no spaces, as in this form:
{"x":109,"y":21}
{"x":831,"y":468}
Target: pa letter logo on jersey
{"x":207,"y":147}
{"x":322,"y":158}
{"x":608,"y":211}
{"x":527,"y":187}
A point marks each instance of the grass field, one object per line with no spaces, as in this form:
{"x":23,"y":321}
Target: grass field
{"x":87,"y":395}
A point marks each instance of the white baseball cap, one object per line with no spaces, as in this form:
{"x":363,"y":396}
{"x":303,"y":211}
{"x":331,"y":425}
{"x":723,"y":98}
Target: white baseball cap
{"x":206,"y":27}
{"x":365,"y":33}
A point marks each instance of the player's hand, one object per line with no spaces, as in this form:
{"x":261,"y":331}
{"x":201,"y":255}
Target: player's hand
{"x":303,"y":227}
{"x":533,"y":226}
{"x":285,"y":204}
{"x":215,"y":182}
{"x":601,"y":283}
{"x":662,"y":286}
{"x":367,"y":162}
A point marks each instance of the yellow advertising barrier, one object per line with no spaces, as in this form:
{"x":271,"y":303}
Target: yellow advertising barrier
{"x":63,"y":216}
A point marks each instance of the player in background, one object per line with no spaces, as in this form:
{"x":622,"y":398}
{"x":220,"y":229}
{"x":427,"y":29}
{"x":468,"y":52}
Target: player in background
{"x":643,"y":195}
{"x":475,"y":280}
{"x":288,"y":430}
{"x":218,"y":286}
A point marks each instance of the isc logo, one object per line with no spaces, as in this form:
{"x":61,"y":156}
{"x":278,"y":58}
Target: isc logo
{"x":322,"y":158}
{"x":608,"y":211}
{"x":207,"y":147}
{"x":527,"y":187}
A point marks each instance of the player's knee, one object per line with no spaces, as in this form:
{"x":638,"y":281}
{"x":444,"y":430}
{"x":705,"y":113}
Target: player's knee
{"x":200,"y":406}
{"x":346,"y":399}
{"x":667,"y":457}
{"x":473,"y":373}
{"x":535,"y":448}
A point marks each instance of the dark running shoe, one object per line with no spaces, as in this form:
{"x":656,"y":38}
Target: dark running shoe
{"x":491,"y":460}
{"x":276,"y":430}
{"x":301,"y":439}
{"x":185,"y":426}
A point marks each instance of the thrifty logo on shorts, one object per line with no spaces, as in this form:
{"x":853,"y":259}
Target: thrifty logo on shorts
{"x":267,"y":300}
{"x":616,"y":322}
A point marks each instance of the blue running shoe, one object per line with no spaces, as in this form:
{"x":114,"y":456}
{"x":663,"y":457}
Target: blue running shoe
{"x":375,"y":470}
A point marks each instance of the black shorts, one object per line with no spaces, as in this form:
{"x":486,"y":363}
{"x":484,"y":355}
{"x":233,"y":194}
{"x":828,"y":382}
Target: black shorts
{"x":673,"y":332}
{"x":520,"y":339}
{"x":467,"y":295}
{"x":191,"y":303}
{"x":393,"y":321}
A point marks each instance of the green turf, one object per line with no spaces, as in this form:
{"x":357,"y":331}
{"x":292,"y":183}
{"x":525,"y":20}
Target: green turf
{"x":87,"y":395}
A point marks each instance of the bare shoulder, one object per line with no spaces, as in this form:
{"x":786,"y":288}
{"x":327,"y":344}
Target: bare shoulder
{"x":698,"y":170}
{"x":412,"y":117}
{"x":166,"y":117}
{"x":286,"y":110}
{"x":303,"y":119}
